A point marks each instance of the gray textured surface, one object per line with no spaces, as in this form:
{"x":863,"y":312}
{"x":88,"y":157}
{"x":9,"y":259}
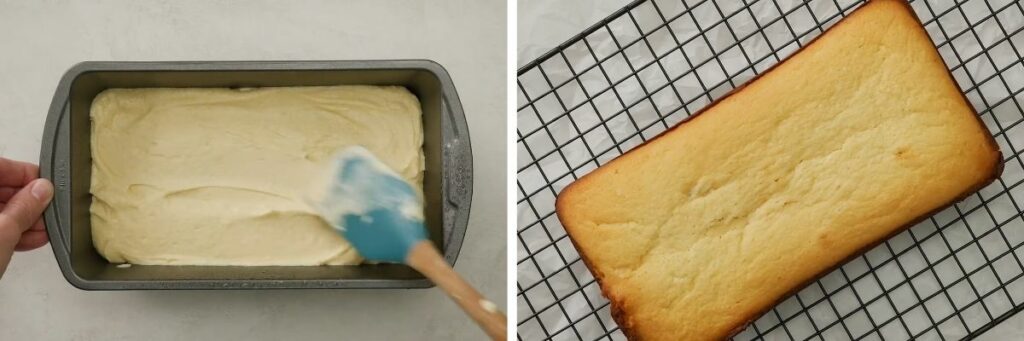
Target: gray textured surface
{"x":552,"y":279}
{"x":41,"y":40}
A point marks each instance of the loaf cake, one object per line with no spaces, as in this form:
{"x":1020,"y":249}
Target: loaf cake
{"x":852,"y":139}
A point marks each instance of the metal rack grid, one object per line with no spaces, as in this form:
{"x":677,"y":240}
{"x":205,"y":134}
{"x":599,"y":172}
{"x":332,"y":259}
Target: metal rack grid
{"x":653,"y":63}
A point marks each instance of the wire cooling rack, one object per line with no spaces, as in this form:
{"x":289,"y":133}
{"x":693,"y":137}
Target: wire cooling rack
{"x":653,"y":63}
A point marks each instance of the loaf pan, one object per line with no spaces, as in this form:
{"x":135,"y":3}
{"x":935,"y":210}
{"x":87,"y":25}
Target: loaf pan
{"x":66,"y":160}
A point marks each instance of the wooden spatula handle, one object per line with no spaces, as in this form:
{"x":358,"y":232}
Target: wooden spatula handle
{"x":424,"y":258}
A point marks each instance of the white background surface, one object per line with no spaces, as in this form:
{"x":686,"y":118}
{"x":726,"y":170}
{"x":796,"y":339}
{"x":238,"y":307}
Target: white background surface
{"x":40,"y":40}
{"x":543,"y":25}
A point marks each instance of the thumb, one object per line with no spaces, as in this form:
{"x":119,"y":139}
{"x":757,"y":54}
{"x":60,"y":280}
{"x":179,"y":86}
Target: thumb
{"x":23,"y":210}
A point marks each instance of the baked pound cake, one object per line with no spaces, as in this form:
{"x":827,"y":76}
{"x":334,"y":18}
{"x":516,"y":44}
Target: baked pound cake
{"x":852,"y":139}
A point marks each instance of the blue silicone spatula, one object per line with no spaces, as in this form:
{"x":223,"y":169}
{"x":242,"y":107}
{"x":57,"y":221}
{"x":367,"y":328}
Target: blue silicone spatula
{"x":382,"y":216}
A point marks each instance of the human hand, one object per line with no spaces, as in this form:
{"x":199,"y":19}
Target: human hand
{"x":23,"y":197}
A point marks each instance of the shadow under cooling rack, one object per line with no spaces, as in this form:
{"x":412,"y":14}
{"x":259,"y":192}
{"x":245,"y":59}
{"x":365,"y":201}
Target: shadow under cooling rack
{"x":653,"y":63}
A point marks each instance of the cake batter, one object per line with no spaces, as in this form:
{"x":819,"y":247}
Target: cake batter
{"x":220,"y":176}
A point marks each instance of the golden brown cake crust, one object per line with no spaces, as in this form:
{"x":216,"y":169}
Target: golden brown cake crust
{"x":619,"y":305}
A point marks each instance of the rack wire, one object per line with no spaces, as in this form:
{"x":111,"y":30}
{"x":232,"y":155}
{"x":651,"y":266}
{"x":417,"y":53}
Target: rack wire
{"x":653,"y":63}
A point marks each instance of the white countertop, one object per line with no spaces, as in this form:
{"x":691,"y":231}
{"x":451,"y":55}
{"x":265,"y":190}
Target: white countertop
{"x":542,"y":25}
{"x":40,"y":40}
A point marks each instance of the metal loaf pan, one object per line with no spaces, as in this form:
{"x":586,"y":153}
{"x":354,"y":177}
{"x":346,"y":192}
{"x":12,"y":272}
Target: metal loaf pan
{"x":67,"y":161}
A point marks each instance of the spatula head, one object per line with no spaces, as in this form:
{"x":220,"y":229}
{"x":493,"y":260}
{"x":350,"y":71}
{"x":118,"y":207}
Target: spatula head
{"x":373,"y":207}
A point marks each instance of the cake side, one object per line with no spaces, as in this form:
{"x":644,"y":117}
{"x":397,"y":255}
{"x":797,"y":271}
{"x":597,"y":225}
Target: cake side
{"x":811,"y":170}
